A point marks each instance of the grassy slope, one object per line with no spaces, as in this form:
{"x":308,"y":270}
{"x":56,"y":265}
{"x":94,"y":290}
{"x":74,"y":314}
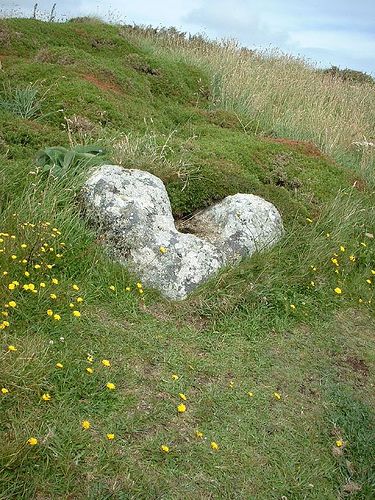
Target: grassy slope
{"x":237,"y":334}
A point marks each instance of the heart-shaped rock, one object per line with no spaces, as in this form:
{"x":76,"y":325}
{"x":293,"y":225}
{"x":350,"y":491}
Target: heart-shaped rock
{"x":132,"y":212}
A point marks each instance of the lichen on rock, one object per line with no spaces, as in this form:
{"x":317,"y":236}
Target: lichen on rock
{"x":132,"y":211}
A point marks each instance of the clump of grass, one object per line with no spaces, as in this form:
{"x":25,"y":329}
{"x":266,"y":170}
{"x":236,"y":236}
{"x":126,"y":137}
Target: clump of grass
{"x":26,"y":101}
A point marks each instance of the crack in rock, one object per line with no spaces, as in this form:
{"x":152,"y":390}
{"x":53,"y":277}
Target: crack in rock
{"x":132,"y":213}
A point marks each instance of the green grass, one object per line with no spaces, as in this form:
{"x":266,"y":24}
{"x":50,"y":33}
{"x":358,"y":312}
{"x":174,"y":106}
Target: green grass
{"x":237,"y":333}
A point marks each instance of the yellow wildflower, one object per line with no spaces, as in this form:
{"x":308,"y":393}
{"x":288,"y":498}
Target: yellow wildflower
{"x":86,"y":424}
{"x":27,"y":274}
{"x":110,"y":437}
{"x":46,"y":397}
{"x":251,"y":394}
{"x":111,"y":386}
{"x":182,"y":396}
{"x":75,"y":287}
{"x":339,"y":443}
{"x":112,"y":287}
{"x":369,"y":282}
{"x":12,"y":348}
{"x":181,"y":408}
{"x":90,"y":370}
{"x":342,"y":248}
{"x":76,"y":314}
{"x":106,"y":362}
{"x":338,"y":290}
{"x":4,"y":390}
{"x":277,"y":395}
{"x":163,"y":250}
{"x":293,"y":307}
{"x":199,"y":434}
{"x":32,"y":441}
{"x":79,"y":300}
{"x":57,"y":317}
{"x":12,"y":303}
{"x":11,"y":286}
{"x":49,"y":312}
{"x":214,"y":445}
{"x":55,"y":281}
{"x":174,"y":377}
{"x":139,"y":285}
{"x":42,"y":285}
{"x":53,"y":296}
{"x":164,"y":448}
{"x":90,"y":359}
{"x":59,"y":365}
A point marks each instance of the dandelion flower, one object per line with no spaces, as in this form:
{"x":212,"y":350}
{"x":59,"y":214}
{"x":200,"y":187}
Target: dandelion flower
{"x":13,"y":304}
{"x":89,"y":370}
{"x":181,"y":408}
{"x":174,"y":377}
{"x":373,"y":271}
{"x":12,"y":348}
{"x":27,"y":274}
{"x":214,"y":445}
{"x":352,"y":258}
{"x":59,"y":365}
{"x":106,"y":362}
{"x":49,"y":312}
{"x":293,"y":307}
{"x":75,"y":287}
{"x":251,"y":394}
{"x":369,"y":282}
{"x":163,"y":250}
{"x":79,"y":300}
{"x":139,"y":285}
{"x":85,"y":424}
{"x":277,"y":395}
{"x":76,"y":314}
{"x":339,"y":443}
{"x":53,"y":296}
{"x":110,"y":386}
{"x":112,"y":287}
{"x":199,"y":434}
{"x":90,"y":359}
{"x":11,"y":286}
{"x":4,"y":390}
{"x":57,"y":317}
{"x":23,"y":245}
{"x":46,"y":397}
{"x":182,"y":396}
{"x":37,"y":266}
{"x":32,"y":441}
{"x":14,"y":257}
{"x":110,"y":437}
{"x":342,"y":248}
{"x":55,"y":281}
{"x":71,"y":305}
{"x":164,"y":448}
{"x":128,"y":289}
{"x":42,"y":285}
{"x":338,"y":291}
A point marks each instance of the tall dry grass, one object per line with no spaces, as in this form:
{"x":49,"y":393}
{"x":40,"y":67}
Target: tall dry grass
{"x":280,"y":94}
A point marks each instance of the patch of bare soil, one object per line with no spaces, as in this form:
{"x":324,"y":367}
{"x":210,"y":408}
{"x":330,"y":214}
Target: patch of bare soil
{"x":103,"y":85}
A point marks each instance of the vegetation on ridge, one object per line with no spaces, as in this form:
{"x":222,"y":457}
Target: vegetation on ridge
{"x":272,"y":360}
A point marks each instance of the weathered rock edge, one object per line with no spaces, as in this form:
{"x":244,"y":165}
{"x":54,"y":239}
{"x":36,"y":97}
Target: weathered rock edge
{"x":133,"y":215}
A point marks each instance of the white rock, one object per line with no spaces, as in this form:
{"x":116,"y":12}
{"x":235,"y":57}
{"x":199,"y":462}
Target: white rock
{"x":132,"y":211}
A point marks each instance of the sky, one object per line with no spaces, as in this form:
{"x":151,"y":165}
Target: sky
{"x":326,"y":32}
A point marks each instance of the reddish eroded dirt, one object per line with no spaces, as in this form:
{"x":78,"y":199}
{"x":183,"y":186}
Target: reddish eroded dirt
{"x":305,"y":147}
{"x":103,"y":85}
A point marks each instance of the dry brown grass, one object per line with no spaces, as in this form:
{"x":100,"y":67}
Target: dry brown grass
{"x":281,"y":94}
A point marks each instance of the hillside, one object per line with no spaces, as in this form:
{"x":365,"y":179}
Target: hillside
{"x":275,"y":357}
